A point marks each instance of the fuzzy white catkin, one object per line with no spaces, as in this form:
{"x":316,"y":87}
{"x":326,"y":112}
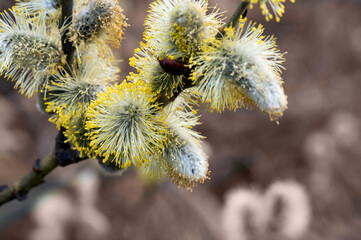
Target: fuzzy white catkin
{"x":179,"y":27}
{"x":124,"y":125}
{"x":183,"y":159}
{"x":187,"y":158}
{"x":97,"y":21}
{"x":296,"y":213}
{"x":89,"y":21}
{"x":30,"y":51}
{"x":267,"y":94}
{"x":240,"y":69}
{"x":238,"y":205}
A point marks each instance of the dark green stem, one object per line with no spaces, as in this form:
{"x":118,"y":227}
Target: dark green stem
{"x":20,"y":189}
{"x":242,"y":7}
{"x":67,"y":15}
{"x":63,"y":154}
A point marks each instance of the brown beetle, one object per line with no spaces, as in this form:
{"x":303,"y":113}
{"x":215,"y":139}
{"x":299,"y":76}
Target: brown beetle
{"x":173,"y":67}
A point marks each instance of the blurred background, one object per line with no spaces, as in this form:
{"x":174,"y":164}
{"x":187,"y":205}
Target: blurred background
{"x":316,"y":147}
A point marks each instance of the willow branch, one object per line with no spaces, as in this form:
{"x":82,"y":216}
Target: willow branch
{"x":66,"y":18}
{"x":20,"y":189}
{"x":63,"y":154}
{"x":241,"y":9}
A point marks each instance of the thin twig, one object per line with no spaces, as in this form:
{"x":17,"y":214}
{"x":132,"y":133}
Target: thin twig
{"x":67,"y":15}
{"x":63,"y":154}
{"x":242,"y":7}
{"x":20,"y":189}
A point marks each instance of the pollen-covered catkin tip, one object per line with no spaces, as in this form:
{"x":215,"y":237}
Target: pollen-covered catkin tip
{"x":186,"y":163}
{"x":240,"y":69}
{"x":124,"y":124}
